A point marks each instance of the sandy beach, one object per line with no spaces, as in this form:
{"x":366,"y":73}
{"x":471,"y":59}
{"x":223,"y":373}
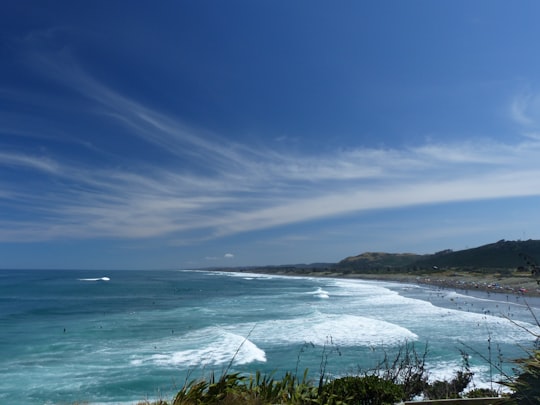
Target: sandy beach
{"x":525,"y":286}
{"x":516,"y":284}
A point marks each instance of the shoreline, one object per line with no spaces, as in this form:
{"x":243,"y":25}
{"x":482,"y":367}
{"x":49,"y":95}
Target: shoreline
{"x":466,"y":282}
{"x":522,"y":285}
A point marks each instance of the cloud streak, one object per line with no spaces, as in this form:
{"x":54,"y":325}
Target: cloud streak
{"x":211,"y":187}
{"x":21,"y":161}
{"x":85,"y":202}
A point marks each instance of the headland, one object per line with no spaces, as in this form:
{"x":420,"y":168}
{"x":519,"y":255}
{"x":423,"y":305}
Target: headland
{"x":504,"y":267}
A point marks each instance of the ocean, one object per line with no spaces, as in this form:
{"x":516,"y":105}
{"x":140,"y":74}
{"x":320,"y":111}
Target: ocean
{"x":117,"y":337}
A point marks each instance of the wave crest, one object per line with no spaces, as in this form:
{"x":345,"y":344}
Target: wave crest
{"x":95,"y":279}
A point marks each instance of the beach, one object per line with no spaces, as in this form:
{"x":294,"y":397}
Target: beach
{"x":516,"y":284}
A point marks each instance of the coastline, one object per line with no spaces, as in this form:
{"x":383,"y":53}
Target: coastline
{"x":520,"y":285}
{"x":462,"y":281}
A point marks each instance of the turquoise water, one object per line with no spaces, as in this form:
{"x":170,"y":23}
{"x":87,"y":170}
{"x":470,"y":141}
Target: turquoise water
{"x":123,"y":336}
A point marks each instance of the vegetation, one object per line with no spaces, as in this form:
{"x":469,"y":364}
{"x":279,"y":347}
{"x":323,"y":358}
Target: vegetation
{"x":402,"y":378}
{"x":377,"y":260}
{"x":261,"y":390}
{"x":488,"y":258}
{"x":526,"y":386}
{"x":367,"y":390}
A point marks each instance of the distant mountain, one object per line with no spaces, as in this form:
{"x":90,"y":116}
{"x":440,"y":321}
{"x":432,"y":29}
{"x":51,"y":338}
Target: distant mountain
{"x":374,"y":260}
{"x":502,"y":254}
{"x":508,"y":255}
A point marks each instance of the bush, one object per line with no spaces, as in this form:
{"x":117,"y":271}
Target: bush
{"x":406,"y":369}
{"x":367,"y":390}
{"x":449,"y":389}
{"x":228,"y":387}
{"x":526,"y":386}
{"x":234,"y":389}
{"x":482,"y":393}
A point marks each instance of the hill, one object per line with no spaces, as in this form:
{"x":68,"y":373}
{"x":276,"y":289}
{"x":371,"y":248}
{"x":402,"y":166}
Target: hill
{"x":503,"y":266}
{"x":523,"y":255}
{"x":376,"y":260}
{"x":502,"y":254}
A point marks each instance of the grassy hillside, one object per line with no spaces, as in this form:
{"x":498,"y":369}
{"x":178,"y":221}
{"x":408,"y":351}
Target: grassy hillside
{"x":502,"y":254}
{"x":376,"y":260}
{"x":511,"y":256}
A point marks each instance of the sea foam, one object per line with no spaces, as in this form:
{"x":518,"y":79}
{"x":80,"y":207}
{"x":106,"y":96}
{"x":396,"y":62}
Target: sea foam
{"x":95,"y":279}
{"x":449,"y":318}
{"x":214,"y":347}
{"x":317,"y":328}
{"x":320,"y":293}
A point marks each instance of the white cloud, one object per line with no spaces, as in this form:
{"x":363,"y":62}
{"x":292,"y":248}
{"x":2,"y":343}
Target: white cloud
{"x":228,"y":256}
{"x":161,"y":201}
{"x":228,"y":187}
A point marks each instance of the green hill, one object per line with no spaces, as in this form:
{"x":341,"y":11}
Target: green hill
{"x":377,"y":260}
{"x":502,"y":254}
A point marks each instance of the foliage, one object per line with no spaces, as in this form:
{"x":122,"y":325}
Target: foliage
{"x":526,"y":386}
{"x":406,"y":369}
{"x":449,"y":389}
{"x":482,"y":393}
{"x":223,"y":391}
{"x":257,"y":390}
{"x":401,"y":377}
{"x":367,"y":390}
{"x":454,"y":388}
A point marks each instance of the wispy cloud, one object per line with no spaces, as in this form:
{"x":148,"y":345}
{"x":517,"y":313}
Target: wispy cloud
{"x":85,"y":202}
{"x":213,"y":187}
{"x":21,"y":161}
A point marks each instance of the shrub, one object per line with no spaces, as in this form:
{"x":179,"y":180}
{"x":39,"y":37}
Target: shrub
{"x":233,"y":389}
{"x":367,"y":390}
{"x":526,"y":386}
{"x":406,"y":369}
{"x":449,"y":389}
{"x":482,"y":393}
{"x":228,"y":388}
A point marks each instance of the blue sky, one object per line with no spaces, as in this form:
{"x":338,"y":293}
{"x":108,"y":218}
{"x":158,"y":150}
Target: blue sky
{"x":187,"y":134}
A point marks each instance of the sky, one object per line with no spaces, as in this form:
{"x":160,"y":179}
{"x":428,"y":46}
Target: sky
{"x":193,"y":134}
